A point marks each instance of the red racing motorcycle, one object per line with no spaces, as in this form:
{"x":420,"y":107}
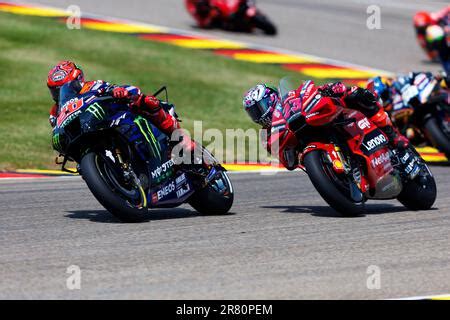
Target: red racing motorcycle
{"x":234,"y":15}
{"x":348,"y":159}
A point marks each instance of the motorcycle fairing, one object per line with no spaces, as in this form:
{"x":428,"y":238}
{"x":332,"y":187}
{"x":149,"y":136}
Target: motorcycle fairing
{"x":371,"y":144}
{"x":172,"y":192}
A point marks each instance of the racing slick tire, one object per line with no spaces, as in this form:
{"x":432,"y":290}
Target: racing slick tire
{"x":214,"y":199}
{"x":324,"y":184}
{"x":420,"y":193}
{"x":99,"y":180}
{"x":263,"y":23}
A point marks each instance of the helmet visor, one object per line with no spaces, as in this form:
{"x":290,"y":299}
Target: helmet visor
{"x":260,"y":110}
{"x":54,"y":91}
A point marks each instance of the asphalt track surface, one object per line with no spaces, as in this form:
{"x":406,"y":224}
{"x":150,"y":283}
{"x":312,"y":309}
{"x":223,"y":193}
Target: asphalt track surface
{"x":282,"y":242}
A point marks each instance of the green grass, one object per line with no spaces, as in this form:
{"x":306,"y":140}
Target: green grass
{"x":203,"y":86}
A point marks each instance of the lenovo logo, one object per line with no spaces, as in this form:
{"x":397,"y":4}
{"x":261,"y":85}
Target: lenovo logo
{"x":375,"y":142}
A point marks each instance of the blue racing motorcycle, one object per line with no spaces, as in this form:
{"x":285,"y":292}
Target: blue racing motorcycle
{"x":421,"y":110}
{"x":127,"y":162}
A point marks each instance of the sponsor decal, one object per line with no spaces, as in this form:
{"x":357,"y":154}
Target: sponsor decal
{"x":312,"y":115}
{"x":162,"y":169}
{"x":411,"y":164}
{"x":97,"y":111}
{"x":364,"y":124}
{"x":165,"y":191}
{"x":148,"y":135}
{"x":180,"y":180}
{"x":405,"y":158}
{"x":116,"y":122}
{"x":59,"y":75}
{"x":154,"y":198}
{"x":182,"y":191}
{"x":373,"y":141}
{"x":70,"y":118}
{"x":382,"y":159}
{"x":68,"y":110}
{"x":376,"y":142}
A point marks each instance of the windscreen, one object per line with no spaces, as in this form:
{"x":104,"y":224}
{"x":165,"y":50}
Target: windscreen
{"x":286,"y":85}
{"x":68,"y":91}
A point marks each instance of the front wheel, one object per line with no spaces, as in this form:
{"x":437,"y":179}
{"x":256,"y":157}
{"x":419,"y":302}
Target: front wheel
{"x":124,"y":199}
{"x":420,"y":193}
{"x":263,"y":23}
{"x":216,"y":198}
{"x":333,"y":190}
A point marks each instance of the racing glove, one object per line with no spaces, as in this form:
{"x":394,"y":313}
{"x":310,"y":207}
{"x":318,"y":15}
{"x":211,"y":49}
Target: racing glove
{"x":337,"y":89}
{"x":362,"y":97}
{"x":382,"y":121}
{"x":120,"y":93}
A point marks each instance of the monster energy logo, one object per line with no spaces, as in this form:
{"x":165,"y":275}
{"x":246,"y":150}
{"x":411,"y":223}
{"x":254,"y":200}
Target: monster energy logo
{"x":148,"y":134}
{"x":56,"y":141}
{"x":97,"y":111}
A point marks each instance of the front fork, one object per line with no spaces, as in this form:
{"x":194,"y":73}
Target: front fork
{"x":352,"y":171}
{"x":408,"y":162}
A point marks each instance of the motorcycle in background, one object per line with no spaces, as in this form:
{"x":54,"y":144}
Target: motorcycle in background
{"x":348,"y":159}
{"x":421,"y":111}
{"x":234,"y":15}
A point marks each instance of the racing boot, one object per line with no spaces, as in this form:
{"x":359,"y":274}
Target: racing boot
{"x":407,"y":160}
{"x":396,"y":139}
{"x":153,"y":109}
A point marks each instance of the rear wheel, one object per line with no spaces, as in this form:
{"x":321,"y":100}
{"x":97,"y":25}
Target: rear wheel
{"x":125,"y":199}
{"x":438,"y":137}
{"x":334,"y":190}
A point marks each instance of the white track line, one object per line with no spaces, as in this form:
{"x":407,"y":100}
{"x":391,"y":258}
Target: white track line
{"x":425,"y":297}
